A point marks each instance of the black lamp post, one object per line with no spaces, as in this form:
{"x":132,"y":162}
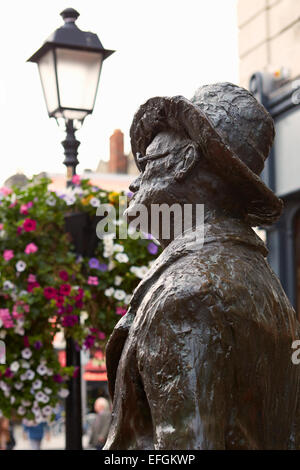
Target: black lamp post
{"x":70,"y":63}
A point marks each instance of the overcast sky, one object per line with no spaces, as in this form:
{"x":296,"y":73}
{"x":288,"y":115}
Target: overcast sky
{"x":163,"y":47}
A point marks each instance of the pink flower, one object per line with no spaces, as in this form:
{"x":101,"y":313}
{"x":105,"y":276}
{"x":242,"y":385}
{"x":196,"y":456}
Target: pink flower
{"x":63,"y":275}
{"x":31,"y":278}
{"x":30,"y":248}
{"x":6,"y":318}
{"x":8,"y":254}
{"x":13,"y":204}
{"x":5,"y":191}
{"x":31,"y":286}
{"x":93,"y":281}
{"x":121,"y":311}
{"x":23,"y":209}
{"x":1,"y":226}
{"x":76,"y":179}
{"x":65,"y":289}
{"x":101,"y":335}
{"x":49,"y":293}
{"x":29,"y":225}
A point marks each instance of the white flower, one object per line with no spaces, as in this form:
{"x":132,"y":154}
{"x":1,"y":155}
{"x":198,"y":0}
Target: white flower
{"x":45,"y":399}
{"x":3,"y":334}
{"x":26,"y":403}
{"x":25,"y":364}
{"x":18,"y":385}
{"x":37,"y":384}
{"x":109,"y":292}
{"x":21,"y":266}
{"x":118,"y":248}
{"x":12,"y":399}
{"x":14,"y":367}
{"x":21,"y":410}
{"x":23,"y":293}
{"x":40,"y":396}
{"x":122,"y":257}
{"x":119,"y":294}
{"x":139,"y":272}
{"x":49,"y":372}
{"x":3,"y":386}
{"x":118,"y":280}
{"x":127,"y":299}
{"x":42,"y":369}
{"x":47,"y":390}
{"x":47,"y":410}
{"x":30,"y":374}
{"x":95,"y":202}
{"x":108,"y":251}
{"x":8,"y":285}
{"x":2,"y":233}
{"x":26,"y":353}
{"x":23,"y":377}
{"x":102,"y":194}
{"x":143,"y":270}
{"x":51,"y":201}
{"x":19,"y":330}
{"x":111,"y":265}
{"x":63,"y":393}
{"x":70,"y":200}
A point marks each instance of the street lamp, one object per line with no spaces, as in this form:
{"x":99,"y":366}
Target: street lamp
{"x":70,"y":63}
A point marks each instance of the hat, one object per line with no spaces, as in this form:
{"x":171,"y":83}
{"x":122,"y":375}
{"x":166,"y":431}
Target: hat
{"x":234,"y":131}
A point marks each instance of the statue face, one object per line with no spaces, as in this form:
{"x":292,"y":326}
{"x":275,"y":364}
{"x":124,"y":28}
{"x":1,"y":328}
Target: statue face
{"x":158,"y":167}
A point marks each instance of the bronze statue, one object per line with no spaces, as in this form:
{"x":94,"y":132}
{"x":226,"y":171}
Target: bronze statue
{"x":202,"y":359}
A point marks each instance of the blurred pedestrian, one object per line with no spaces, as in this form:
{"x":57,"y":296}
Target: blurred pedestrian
{"x":101,"y":423}
{"x":4,"y":433}
{"x":36,"y":433}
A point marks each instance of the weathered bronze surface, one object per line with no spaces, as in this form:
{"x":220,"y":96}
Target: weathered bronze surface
{"x":202,"y":359}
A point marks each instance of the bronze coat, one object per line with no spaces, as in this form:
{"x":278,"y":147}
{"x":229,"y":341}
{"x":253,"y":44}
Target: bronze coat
{"x":202,"y":359}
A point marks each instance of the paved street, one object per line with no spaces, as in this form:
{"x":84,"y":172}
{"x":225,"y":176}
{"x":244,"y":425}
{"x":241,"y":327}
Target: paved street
{"x":56,"y":442}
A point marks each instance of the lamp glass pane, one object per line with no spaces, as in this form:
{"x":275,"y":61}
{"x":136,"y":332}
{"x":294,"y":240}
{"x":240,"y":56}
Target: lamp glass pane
{"x":48,"y":78}
{"x":78,"y":75}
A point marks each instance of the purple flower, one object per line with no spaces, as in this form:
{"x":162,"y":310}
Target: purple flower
{"x":38,"y":345}
{"x":152,"y":248}
{"x":70,"y":320}
{"x":57,"y":378}
{"x":94,"y":263}
{"x":8,"y":373}
{"x":103,"y":267}
{"x":89,"y":341}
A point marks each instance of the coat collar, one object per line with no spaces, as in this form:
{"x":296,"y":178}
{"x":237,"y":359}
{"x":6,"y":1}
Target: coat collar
{"x":219,"y":231}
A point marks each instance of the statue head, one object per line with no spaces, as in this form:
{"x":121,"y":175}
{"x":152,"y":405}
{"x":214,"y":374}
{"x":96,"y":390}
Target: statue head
{"x":210,"y":150}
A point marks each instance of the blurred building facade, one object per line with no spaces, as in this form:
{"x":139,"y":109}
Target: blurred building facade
{"x":269,"y":37}
{"x":269,"y":52}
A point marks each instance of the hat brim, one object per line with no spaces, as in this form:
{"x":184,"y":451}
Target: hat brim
{"x":263,"y":207}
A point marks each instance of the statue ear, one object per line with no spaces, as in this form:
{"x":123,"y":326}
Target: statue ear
{"x":186,"y":163}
